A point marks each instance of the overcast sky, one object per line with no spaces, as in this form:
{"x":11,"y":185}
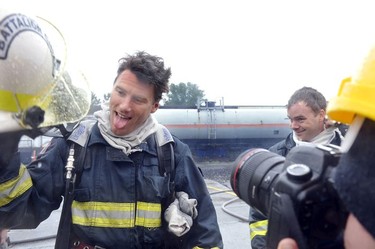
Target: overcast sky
{"x":250,"y":52}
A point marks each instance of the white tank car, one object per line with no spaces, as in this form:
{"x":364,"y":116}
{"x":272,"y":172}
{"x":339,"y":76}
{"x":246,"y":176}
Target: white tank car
{"x":222,"y":132}
{"x":226,"y":123}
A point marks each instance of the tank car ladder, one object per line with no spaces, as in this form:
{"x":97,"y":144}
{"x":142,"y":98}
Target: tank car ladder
{"x":212,"y":127}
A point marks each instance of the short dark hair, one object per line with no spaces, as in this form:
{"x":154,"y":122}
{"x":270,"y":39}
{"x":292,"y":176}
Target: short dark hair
{"x":313,"y":99}
{"x":149,"y":69}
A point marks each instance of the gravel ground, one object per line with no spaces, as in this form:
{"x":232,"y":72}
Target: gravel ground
{"x":217,"y":171}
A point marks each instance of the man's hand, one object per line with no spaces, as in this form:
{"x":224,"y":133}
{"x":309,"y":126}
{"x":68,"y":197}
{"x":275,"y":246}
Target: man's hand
{"x":287,"y":244}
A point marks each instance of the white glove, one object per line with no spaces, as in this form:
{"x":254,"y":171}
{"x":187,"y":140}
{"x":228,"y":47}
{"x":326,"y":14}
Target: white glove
{"x":188,"y":206}
{"x":180,"y":214}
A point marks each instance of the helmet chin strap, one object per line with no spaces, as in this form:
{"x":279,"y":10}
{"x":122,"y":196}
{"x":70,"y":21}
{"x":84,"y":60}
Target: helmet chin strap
{"x":352,"y":133}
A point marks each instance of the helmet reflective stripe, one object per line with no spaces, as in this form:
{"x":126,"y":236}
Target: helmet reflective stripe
{"x":11,"y":102}
{"x":117,"y":215}
{"x":8,"y":101}
{"x":14,"y":188}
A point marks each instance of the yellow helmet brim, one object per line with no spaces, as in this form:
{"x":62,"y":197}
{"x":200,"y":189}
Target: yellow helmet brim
{"x":354,"y":98}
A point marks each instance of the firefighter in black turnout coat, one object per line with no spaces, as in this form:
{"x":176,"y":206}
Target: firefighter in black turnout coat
{"x":120,"y":197}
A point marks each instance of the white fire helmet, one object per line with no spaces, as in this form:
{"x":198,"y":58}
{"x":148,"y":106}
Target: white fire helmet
{"x":37,"y":89}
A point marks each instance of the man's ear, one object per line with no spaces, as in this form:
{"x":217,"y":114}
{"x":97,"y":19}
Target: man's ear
{"x":322,"y":115}
{"x":155,"y":107}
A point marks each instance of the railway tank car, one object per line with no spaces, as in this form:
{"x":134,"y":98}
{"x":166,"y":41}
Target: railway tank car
{"x":221,"y":133}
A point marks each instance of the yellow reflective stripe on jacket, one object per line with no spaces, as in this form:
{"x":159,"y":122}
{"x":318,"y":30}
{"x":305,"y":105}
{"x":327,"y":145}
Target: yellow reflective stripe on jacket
{"x":197,"y":247}
{"x":148,"y":214}
{"x":14,"y":188}
{"x":117,"y":215}
{"x":258,"y":228}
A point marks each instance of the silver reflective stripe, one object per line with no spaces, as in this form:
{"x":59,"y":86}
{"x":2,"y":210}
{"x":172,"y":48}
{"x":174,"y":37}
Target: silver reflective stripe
{"x":14,"y":188}
{"x":117,"y":215}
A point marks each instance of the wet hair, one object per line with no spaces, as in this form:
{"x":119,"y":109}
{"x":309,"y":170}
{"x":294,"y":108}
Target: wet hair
{"x":148,"y":69}
{"x":313,"y":99}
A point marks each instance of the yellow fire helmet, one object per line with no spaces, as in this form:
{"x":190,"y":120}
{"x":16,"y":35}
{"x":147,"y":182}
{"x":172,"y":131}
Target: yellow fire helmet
{"x":37,"y":87}
{"x":356,"y":95}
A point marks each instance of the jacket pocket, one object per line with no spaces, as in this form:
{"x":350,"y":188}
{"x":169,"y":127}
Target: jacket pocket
{"x":153,"y":184}
{"x":157,"y":186}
